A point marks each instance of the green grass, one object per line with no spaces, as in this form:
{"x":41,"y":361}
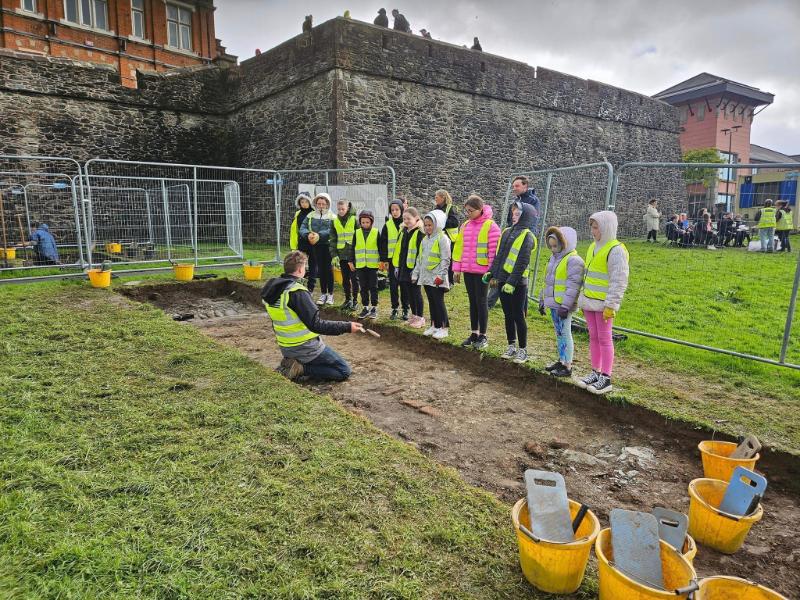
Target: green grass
{"x":140,"y":459}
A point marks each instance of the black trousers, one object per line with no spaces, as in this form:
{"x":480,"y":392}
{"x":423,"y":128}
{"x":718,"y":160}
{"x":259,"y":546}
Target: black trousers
{"x":413,"y":293}
{"x":322,"y":257}
{"x":438,"y":308}
{"x":515,"y":308}
{"x":349,"y":282}
{"x":652,"y":234}
{"x":396,"y":291}
{"x":783,"y":236}
{"x":368,"y":280}
{"x":311,"y":271}
{"x":477,"y":292}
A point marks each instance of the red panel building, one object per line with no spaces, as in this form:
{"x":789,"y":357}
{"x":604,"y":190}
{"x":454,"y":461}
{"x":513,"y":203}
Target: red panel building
{"x":131,"y":35}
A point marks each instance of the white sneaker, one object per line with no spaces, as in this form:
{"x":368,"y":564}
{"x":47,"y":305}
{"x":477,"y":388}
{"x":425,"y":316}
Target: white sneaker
{"x":440,"y":334}
{"x":510,"y":353}
{"x":321,"y":299}
{"x":329,"y":299}
{"x":521,"y":356}
{"x":430,"y":331}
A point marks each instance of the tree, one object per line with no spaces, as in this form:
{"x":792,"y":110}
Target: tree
{"x":707,"y":175}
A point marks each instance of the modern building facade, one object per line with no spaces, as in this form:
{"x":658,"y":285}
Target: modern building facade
{"x":131,"y":35}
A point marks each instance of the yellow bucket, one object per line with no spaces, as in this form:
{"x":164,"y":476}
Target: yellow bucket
{"x":337,"y":276}
{"x":711,"y":527}
{"x":183,"y":272}
{"x":550,"y":567}
{"x":253,"y":273}
{"x":614,"y":585}
{"x":8,"y":253}
{"x":689,"y":550}
{"x":717,"y":465}
{"x":733,"y":588}
{"x":98,"y":278}
{"x":113,"y":248}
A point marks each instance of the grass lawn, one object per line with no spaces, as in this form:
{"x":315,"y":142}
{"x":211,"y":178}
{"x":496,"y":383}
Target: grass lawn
{"x":139,"y":459}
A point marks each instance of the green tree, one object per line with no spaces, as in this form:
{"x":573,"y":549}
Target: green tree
{"x":707,"y":175}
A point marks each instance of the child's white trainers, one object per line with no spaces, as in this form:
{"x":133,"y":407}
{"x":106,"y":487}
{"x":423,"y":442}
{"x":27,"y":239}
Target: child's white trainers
{"x":430,"y":331}
{"x":440,"y":334}
{"x":510,"y":352}
{"x":521,"y":356}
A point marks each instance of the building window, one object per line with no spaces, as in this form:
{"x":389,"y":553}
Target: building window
{"x":728,"y":159}
{"x":137,"y":18}
{"x":179,"y":27}
{"x":91,"y":13}
{"x":726,"y":200}
{"x":701,"y":112}
{"x":29,"y":5}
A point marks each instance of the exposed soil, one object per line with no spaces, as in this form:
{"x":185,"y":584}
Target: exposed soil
{"x":491,"y":421}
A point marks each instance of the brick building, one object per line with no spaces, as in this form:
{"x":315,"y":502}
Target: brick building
{"x":131,"y":35}
{"x":717,"y":113}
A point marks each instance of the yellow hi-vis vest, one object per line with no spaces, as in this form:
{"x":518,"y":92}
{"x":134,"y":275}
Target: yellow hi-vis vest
{"x":482,"y":248}
{"x":289,"y":329}
{"x":595,"y":278}
{"x":411,"y":255}
{"x":393,"y":234}
{"x":367,"y":249}
{"x":435,"y":255}
{"x":513,"y":252}
{"x":560,"y":282}
{"x":768,"y":218}
{"x":294,"y":233}
{"x":344,"y":233}
{"x":785,"y":224}
{"x":451,"y":232}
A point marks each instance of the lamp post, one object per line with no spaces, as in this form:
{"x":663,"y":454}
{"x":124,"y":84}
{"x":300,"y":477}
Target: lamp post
{"x":729,"y":131}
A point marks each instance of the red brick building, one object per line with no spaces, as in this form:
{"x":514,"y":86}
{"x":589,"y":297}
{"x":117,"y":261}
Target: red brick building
{"x":148,"y":35}
{"x":717,"y":113}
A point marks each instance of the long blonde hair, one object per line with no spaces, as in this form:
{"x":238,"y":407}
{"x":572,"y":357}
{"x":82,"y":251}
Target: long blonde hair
{"x":444,"y":194}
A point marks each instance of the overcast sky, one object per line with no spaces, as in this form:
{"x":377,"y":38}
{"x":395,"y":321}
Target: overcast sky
{"x":644,"y":45}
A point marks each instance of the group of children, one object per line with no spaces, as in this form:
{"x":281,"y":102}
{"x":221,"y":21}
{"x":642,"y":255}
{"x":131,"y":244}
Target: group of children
{"x":434,"y":252}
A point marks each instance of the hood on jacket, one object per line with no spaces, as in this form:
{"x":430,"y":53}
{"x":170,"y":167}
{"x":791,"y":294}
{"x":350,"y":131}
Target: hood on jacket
{"x":43,"y":227}
{"x":567,"y":239}
{"x":607,"y":222}
{"x":486,"y":214}
{"x":301,"y":196}
{"x":273,"y":289}
{"x":528,"y":217}
{"x":366,"y":214}
{"x":439,"y":219}
{"x":399,"y":203}
{"x":321,"y":195}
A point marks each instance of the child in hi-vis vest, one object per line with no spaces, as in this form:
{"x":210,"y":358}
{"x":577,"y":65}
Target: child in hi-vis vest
{"x":431,"y":270}
{"x":341,"y":243}
{"x":386,"y":245}
{"x":367,"y":258}
{"x":403,"y":262}
{"x":297,"y":242}
{"x":562,"y":284}
{"x":604,"y":284}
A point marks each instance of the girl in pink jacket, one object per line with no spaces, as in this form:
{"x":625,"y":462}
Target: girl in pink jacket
{"x":473,"y":253}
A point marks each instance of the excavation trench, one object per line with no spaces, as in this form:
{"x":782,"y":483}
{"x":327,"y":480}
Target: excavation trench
{"x":492,"y":420}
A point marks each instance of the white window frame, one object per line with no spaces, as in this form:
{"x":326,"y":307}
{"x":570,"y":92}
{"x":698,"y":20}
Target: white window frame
{"x":180,"y":25}
{"x":92,"y":16}
{"x":725,"y":174}
{"x":25,"y":8}
{"x":134,"y":12}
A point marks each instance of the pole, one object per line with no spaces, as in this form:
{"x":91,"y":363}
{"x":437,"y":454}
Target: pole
{"x":3,"y":222}
{"x":194,"y":224}
{"x":535,"y":272}
{"x":787,"y":330}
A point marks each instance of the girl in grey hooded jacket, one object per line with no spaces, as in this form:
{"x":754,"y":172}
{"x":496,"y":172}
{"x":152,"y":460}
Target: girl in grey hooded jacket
{"x":561,"y":302}
{"x":434,"y":280}
{"x":600,"y":313}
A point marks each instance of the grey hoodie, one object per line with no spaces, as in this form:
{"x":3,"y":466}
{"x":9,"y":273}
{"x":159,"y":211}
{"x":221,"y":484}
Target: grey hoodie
{"x":617,"y":265}
{"x":422,"y":274}
{"x":568,"y":240}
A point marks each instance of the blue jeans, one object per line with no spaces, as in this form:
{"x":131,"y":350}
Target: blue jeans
{"x":328,"y":366}
{"x":766,"y":234}
{"x":564,"y":341}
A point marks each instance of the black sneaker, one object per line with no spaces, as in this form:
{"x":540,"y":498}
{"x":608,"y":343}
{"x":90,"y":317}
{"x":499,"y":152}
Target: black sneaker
{"x":373,"y":313}
{"x":346,"y":305}
{"x":467,"y":343}
{"x":364,"y":313}
{"x":394,"y":315}
{"x":481,"y":342}
{"x":601,"y":386}
{"x":553,"y":367}
{"x":561,"y":371}
{"x":405,"y":315}
{"x":590,"y":379}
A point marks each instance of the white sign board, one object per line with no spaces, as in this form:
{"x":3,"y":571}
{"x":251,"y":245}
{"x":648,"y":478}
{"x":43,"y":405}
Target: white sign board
{"x":369,"y":196}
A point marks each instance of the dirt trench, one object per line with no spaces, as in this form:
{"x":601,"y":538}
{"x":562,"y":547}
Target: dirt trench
{"x":491,"y":421}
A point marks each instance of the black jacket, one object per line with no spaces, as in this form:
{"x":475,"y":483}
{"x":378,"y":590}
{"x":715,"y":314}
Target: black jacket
{"x":302,"y":243}
{"x":452,"y":218}
{"x":403,"y":272}
{"x":526,"y":221}
{"x":381,"y":20}
{"x":303,"y":304}
{"x":401,"y":23}
{"x":383,"y":240}
{"x":529,"y":197}
{"x":346,"y":254}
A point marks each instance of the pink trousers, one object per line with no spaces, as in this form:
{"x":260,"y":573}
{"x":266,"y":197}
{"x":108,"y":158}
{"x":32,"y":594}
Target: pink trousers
{"x":601,"y":346}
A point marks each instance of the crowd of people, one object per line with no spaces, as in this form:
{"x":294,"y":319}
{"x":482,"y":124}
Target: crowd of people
{"x":772,"y":222}
{"x":429,"y":253}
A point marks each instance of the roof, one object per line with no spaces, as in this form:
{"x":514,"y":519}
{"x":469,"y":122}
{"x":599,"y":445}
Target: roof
{"x":759,"y":154}
{"x":706,"y":84}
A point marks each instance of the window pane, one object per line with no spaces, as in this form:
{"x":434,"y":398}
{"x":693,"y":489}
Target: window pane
{"x":172,"y":12}
{"x":86,"y":12}
{"x":186,"y":38}
{"x":100,"y":14}
{"x":137,"y":4}
{"x":71,"y":7}
{"x":138,"y":24}
{"x":185,"y":16}
{"x":29,"y":5}
{"x":172,"y":37}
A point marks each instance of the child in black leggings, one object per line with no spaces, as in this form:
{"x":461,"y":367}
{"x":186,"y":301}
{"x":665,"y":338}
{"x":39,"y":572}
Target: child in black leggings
{"x":404,"y":261}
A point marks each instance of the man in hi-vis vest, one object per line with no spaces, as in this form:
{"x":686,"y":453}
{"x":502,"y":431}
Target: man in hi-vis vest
{"x":297,"y":325}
